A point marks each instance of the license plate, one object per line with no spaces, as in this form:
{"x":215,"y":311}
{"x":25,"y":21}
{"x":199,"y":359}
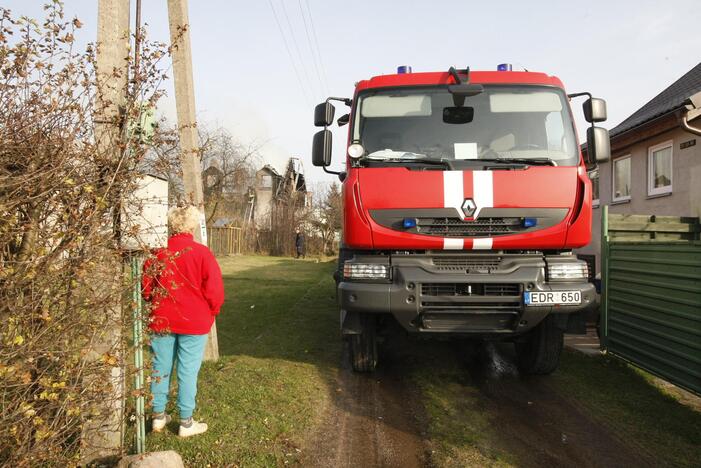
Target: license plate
{"x":546,"y":298}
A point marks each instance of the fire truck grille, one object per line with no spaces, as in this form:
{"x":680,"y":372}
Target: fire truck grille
{"x":485,"y":264}
{"x":456,"y":227}
{"x":467,"y":290}
{"x":461,"y":307}
{"x":466,"y":322}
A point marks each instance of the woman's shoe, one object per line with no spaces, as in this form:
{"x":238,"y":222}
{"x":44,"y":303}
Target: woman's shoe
{"x":159,"y":421}
{"x":190,"y":427}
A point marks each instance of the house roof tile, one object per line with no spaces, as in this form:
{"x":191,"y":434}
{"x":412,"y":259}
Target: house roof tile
{"x":672,"y":98}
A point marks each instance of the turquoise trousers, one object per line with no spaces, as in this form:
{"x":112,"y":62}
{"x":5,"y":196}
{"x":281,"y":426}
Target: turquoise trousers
{"x":185,"y":352}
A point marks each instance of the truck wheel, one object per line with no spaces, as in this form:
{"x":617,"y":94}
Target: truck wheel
{"x":363,"y":346}
{"x":540,"y":353}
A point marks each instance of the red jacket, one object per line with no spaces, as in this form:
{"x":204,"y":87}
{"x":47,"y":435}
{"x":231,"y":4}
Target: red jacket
{"x":184,"y":285}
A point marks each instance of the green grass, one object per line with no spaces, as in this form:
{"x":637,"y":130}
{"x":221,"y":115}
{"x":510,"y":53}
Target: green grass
{"x":622,"y":399}
{"x":279,"y":345}
{"x":625,"y":400}
{"x":458,"y":420}
{"x":280,"y":350}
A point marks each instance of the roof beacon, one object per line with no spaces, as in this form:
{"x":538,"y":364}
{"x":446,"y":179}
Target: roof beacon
{"x":504,"y":67}
{"x":403,"y":69}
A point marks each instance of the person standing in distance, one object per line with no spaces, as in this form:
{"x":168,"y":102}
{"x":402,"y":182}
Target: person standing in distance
{"x":299,"y":243}
{"x":183,"y":283}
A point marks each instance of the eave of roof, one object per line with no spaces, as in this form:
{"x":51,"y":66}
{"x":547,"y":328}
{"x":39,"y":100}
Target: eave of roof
{"x":270,"y":168}
{"x":669,"y":100}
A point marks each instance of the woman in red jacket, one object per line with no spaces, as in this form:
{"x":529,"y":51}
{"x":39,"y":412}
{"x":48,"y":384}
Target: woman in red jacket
{"x":184,"y":285}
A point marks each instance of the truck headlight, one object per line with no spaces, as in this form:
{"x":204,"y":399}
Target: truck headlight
{"x":569,"y":271}
{"x":365,"y":271}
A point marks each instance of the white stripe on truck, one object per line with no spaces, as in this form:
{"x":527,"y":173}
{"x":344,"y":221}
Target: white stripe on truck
{"x":453,"y":192}
{"x":453,"y":244}
{"x":482,"y":243}
{"x":483,"y":190}
{"x":454,"y":197}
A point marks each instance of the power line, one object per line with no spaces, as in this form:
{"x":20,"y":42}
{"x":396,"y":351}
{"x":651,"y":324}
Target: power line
{"x":311,"y":49}
{"x":296,"y":46}
{"x":289,"y":53}
{"x":316,"y":41}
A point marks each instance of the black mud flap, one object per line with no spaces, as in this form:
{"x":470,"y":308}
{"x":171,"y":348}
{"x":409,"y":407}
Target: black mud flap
{"x":576,"y":323}
{"x":350,"y":323}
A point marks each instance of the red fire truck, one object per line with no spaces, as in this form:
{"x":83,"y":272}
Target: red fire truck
{"x":464,"y":194}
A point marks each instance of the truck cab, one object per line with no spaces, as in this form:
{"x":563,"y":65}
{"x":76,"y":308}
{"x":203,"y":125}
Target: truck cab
{"x":464,"y":194}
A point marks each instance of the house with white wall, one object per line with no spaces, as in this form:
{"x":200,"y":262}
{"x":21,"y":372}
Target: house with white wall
{"x":655,"y":166}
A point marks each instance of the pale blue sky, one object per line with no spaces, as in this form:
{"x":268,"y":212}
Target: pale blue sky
{"x":624,"y":51}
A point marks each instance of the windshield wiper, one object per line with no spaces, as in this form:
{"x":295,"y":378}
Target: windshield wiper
{"x":414,"y":158}
{"x":387,"y":154}
{"x":525,"y":161}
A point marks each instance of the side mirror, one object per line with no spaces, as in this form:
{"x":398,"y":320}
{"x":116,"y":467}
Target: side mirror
{"x":598,"y":145}
{"x":594,"y":110}
{"x":323,"y":114}
{"x":321,"y":148}
{"x":343,"y":120}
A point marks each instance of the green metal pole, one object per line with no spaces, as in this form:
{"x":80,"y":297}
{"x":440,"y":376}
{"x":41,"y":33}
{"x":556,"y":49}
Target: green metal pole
{"x":138,"y":354}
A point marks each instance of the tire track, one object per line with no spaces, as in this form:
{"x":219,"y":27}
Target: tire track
{"x":369,"y":424}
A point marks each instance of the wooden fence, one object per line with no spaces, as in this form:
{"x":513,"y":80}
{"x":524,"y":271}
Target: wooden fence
{"x":644,"y":228}
{"x":225,"y":240}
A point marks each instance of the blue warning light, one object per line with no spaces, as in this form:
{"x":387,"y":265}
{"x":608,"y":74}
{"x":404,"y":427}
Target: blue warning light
{"x":409,"y":223}
{"x":504,"y":67}
{"x":403,"y":69}
{"x":530,"y":222}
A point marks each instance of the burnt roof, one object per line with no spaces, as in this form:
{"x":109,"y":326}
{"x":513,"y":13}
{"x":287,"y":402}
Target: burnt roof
{"x":671,"y":99}
{"x":270,"y":169}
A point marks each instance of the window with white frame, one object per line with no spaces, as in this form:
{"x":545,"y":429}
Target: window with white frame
{"x":659,"y":169}
{"x":621,"y":179}
{"x":594,"y":177}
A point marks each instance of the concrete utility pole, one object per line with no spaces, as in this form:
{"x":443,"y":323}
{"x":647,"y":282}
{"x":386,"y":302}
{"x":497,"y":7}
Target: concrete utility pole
{"x":102,"y":436}
{"x":185,"y":104}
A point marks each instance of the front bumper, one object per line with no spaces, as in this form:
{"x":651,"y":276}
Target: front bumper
{"x":476,"y":295}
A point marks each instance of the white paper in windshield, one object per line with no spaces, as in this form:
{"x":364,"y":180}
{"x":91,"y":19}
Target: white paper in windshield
{"x":465,"y":150}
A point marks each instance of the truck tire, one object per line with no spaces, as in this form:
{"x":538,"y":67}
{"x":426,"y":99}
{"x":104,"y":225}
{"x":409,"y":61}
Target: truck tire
{"x":539,"y":353}
{"x":363,"y":346}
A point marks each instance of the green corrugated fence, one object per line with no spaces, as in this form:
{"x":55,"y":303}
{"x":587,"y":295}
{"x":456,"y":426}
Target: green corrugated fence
{"x":651,"y":305}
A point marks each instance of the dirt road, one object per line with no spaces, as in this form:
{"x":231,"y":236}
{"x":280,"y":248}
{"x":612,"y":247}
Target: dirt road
{"x":373,"y":423}
{"x":538,"y":426}
{"x":376,"y":419}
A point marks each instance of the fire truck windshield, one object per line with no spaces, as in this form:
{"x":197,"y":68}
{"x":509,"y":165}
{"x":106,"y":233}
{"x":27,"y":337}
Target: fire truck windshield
{"x":504,"y":122}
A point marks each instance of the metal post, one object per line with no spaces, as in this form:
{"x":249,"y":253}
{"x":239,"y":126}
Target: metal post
{"x":185,"y":106}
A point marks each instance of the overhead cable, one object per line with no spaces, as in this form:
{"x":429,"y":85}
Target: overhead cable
{"x":299,"y":51}
{"x":316,"y":41}
{"x":289,"y":54}
{"x":324,"y":88}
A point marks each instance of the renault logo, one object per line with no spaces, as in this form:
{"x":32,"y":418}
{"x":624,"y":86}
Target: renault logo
{"x":469,"y":207}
